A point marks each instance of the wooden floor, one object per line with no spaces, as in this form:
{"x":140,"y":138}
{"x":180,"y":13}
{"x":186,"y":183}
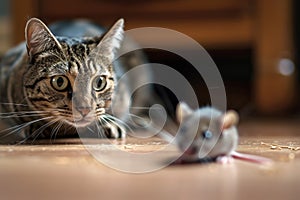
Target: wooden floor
{"x":69,"y":171}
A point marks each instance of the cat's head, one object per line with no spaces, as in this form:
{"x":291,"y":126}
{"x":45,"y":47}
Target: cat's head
{"x":72,"y":78}
{"x":206,"y":132}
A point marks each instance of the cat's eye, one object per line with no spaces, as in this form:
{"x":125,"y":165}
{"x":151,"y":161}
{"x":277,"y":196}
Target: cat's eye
{"x":99,"y":83}
{"x":59,"y":83}
{"x":207,"y":135}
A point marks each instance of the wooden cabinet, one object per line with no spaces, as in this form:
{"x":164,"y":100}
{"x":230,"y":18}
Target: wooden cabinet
{"x":213,"y":23}
{"x":263,"y":25}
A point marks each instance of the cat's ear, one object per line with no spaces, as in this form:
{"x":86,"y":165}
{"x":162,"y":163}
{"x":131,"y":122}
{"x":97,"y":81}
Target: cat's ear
{"x":110,"y":42}
{"x":230,"y":118}
{"x":183,"y":111}
{"x":39,"y":38}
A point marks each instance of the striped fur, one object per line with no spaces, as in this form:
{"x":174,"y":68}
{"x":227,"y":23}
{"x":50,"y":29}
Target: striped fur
{"x":32,"y":106}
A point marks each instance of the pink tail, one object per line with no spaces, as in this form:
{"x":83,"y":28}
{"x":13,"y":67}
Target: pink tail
{"x":251,"y":158}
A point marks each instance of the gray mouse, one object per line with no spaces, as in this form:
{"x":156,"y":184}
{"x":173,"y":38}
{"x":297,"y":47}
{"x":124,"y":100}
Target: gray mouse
{"x":208,"y":133}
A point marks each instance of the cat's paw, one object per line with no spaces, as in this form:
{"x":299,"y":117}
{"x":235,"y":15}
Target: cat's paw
{"x":115,"y":131}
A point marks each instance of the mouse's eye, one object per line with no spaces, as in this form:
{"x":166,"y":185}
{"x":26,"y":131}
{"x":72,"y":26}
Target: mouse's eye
{"x":207,"y":135}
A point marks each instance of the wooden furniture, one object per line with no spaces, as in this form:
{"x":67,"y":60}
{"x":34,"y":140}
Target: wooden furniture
{"x":264,"y":26}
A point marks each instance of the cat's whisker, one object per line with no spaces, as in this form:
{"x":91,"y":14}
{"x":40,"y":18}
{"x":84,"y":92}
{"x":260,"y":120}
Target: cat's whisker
{"x":40,"y":130}
{"x":15,"y":104}
{"x":16,"y":128}
{"x":22,"y":116}
{"x":22,"y":141}
{"x":24,"y":112}
{"x":55,"y":131}
{"x":116,"y":121}
{"x":90,"y":129}
{"x":101,"y":134}
{"x":66,"y":129}
{"x":21,"y":126}
{"x":100,"y":131}
{"x":103,"y":123}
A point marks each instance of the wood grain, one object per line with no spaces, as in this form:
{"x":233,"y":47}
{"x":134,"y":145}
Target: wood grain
{"x":66,"y":170}
{"x":275,"y":92}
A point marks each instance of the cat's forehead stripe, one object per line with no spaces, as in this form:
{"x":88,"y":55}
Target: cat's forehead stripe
{"x":91,"y":65}
{"x":77,"y":54}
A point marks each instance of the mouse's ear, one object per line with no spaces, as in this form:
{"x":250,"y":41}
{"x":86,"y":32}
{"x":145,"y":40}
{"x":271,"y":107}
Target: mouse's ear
{"x":230,"y":118}
{"x":182,"y":111}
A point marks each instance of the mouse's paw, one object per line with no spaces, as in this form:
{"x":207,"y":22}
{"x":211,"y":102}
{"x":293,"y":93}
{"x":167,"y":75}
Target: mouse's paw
{"x":224,"y":159}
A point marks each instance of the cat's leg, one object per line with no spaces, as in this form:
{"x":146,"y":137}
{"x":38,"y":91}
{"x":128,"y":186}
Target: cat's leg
{"x":114,"y":130}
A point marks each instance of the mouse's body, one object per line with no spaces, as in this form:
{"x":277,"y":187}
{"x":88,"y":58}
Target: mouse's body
{"x":209,"y":133}
{"x":200,"y":133}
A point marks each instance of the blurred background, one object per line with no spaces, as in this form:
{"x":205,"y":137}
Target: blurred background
{"x":253,"y":42}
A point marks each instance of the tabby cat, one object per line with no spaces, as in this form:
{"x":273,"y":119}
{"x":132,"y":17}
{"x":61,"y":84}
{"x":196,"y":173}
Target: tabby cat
{"x":62,"y":79}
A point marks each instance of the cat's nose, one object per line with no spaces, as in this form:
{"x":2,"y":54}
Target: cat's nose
{"x":84,"y":111}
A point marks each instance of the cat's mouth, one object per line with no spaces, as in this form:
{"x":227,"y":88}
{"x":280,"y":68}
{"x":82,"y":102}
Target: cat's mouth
{"x":82,"y":123}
